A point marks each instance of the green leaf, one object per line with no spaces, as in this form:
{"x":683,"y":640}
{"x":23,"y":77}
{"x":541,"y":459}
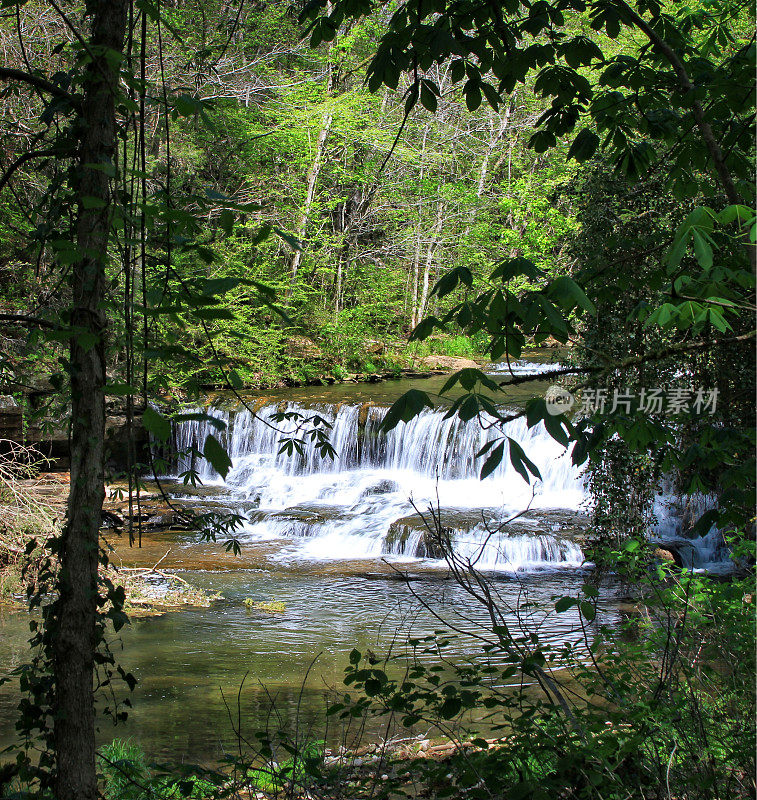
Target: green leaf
{"x":588,"y":612}
{"x":472,"y":92}
{"x":450,"y":280}
{"x":213,"y":313}
{"x":493,"y":461}
{"x":294,"y":243}
{"x":520,"y":461}
{"x":425,"y":328}
{"x":89,"y":202}
{"x":556,"y":428}
{"x":566,"y":289}
{"x":491,"y":94}
{"x":217,"y":286}
{"x":564,"y":603}
{"x":514,"y":267}
{"x":405,"y":408}
{"x":235,"y":380}
{"x":450,"y":708}
{"x":428,"y":98}
{"x":702,"y":249}
{"x":458,"y":70}
{"x":120,"y":389}
{"x":584,"y":146}
{"x":742,"y":214}
{"x":156,"y":424}
{"x":200,"y":416}
{"x":226,"y":221}
{"x":106,"y":167}
{"x":87,"y":340}
{"x":217,"y":456}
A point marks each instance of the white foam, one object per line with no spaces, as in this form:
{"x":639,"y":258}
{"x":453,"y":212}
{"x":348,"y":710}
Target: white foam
{"x":376,"y":479}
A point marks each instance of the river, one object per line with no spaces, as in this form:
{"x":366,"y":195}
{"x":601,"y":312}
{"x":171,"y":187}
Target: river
{"x":331,"y":539}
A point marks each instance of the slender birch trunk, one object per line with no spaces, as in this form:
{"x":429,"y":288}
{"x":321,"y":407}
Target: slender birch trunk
{"x":315,"y":169}
{"x":430,"y":251}
{"x":414,"y":317}
{"x":497,"y":136}
{"x":339,"y":264}
{"x":320,"y":150}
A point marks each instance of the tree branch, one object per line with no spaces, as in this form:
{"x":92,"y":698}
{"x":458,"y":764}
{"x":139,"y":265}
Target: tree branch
{"x":21,"y":160}
{"x":716,"y":154}
{"x":43,"y":85}
{"x":22,"y":319}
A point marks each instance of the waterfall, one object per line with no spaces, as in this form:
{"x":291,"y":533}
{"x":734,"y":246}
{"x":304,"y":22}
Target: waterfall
{"x":349,"y":506}
{"x":676,"y":515}
{"x":500,"y":551}
{"x":344,"y":507}
{"x":429,"y":445}
{"x":521,"y":367}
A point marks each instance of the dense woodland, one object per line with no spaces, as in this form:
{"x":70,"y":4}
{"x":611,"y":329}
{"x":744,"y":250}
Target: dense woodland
{"x":293,"y":135}
{"x":202,"y":195}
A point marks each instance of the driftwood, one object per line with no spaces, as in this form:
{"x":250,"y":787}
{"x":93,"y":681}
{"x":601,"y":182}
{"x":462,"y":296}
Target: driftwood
{"x":143,"y":572}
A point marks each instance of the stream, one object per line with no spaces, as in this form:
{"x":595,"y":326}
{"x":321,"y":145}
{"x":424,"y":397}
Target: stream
{"x":331,"y":539}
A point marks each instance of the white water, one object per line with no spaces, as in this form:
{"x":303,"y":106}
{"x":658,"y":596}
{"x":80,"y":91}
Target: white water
{"x":521,"y":367}
{"x":344,"y":508}
{"x":675,"y":516}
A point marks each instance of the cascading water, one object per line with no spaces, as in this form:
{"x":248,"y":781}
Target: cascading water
{"x":521,"y":367}
{"x":676,"y":516}
{"x":344,"y":507}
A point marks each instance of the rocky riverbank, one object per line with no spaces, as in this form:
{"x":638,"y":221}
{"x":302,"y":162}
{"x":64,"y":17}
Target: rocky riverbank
{"x":31,"y":510}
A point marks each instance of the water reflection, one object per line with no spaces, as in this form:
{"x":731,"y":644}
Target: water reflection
{"x":187,"y":662}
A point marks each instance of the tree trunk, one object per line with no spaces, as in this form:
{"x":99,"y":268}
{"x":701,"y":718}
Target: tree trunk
{"x":340,"y":260}
{"x":414,"y":316}
{"x":74,"y":619}
{"x":320,"y":148}
{"x":495,"y":139}
{"x":431,"y":250}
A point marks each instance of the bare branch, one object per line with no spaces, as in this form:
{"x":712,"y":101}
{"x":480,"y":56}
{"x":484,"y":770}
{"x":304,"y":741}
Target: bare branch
{"x":43,"y":85}
{"x":22,"y":159}
{"x":24,"y":320}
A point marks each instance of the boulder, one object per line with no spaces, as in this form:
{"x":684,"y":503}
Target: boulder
{"x":662,"y":554}
{"x":407,"y":539}
{"x":448,"y":362}
{"x":10,"y":419}
{"x":302,"y":347}
{"x":384,"y":486}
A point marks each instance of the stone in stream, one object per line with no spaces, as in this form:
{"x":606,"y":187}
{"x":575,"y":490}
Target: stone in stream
{"x":448,"y":362}
{"x":384,"y":486}
{"x":410,"y":535}
{"x":681,"y":552}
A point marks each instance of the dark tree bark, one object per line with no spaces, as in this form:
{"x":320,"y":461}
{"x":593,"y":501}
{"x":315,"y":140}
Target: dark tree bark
{"x":74,"y":620}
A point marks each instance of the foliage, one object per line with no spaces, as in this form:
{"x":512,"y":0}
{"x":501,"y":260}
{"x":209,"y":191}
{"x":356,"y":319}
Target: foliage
{"x":295,"y":772}
{"x":27,"y":520}
{"x":198,"y":253}
{"x":640,"y":106}
{"x":660,"y":705}
{"x":128,"y":777}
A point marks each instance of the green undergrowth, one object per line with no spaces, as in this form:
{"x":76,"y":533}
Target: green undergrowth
{"x":126,"y":775}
